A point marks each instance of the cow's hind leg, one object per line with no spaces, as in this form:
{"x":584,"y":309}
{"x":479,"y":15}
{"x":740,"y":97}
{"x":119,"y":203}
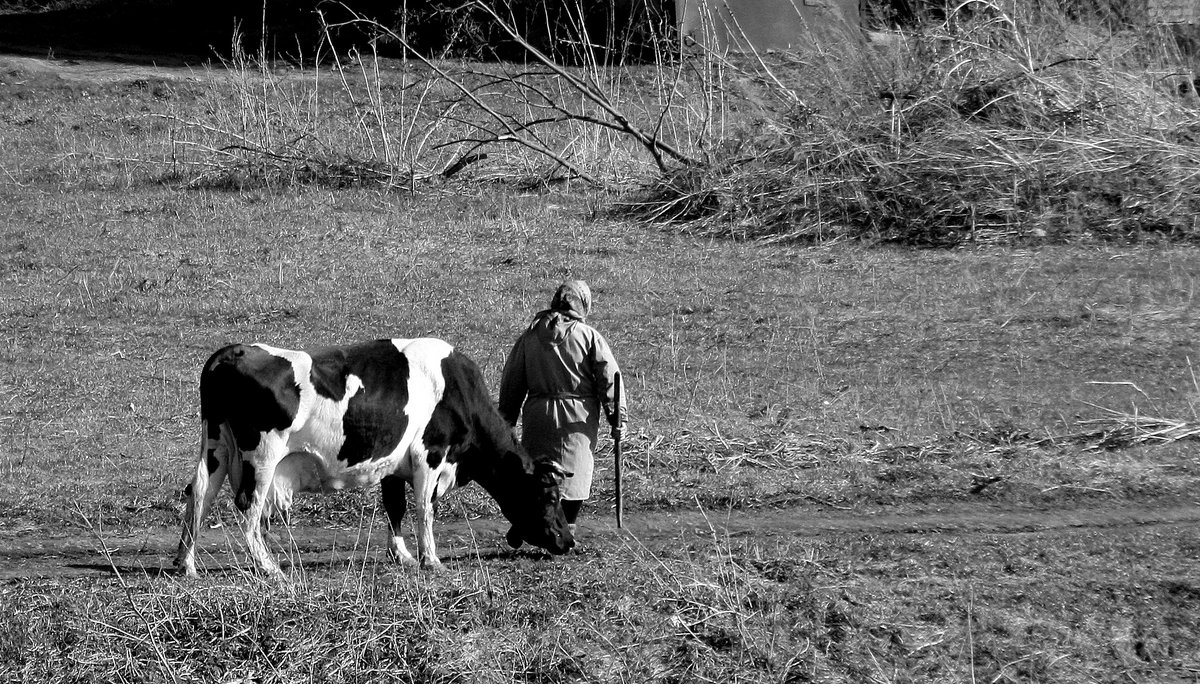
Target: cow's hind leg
{"x":253,"y":497}
{"x":392,"y":490}
{"x":211,"y":470}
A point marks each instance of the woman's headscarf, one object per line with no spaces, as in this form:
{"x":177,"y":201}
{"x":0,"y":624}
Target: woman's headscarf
{"x":573,"y":298}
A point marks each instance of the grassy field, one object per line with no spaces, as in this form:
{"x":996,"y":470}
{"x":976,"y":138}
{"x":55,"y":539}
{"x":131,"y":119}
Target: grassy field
{"x":776,"y":381}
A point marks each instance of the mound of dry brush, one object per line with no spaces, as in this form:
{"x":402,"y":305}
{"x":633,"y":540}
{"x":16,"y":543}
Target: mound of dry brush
{"x":985,"y":127}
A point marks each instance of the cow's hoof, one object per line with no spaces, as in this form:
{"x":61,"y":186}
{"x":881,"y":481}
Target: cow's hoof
{"x":403,"y":560}
{"x":431,"y":565}
{"x":273,"y":576}
{"x":514,"y":538}
{"x":398,"y":554}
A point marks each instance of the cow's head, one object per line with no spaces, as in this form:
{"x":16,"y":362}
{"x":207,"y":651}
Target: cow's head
{"x":532,"y":502}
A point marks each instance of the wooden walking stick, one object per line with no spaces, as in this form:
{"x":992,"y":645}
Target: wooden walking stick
{"x":618,"y":399}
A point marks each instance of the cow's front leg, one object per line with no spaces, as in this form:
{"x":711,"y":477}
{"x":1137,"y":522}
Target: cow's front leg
{"x":252,"y":501}
{"x":424,"y":494}
{"x":392,"y":490}
{"x":199,"y":494}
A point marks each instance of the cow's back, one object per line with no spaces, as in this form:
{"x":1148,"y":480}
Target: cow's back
{"x":386,"y":386}
{"x":251,"y":390}
{"x":377,"y":394}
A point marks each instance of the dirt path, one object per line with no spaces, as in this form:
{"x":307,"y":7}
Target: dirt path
{"x":28,"y":556}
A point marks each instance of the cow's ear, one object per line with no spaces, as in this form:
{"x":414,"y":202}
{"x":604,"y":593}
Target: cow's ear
{"x":555,"y":468}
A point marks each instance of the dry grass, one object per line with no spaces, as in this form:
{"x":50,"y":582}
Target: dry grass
{"x":715,"y":609}
{"x":117,"y":297}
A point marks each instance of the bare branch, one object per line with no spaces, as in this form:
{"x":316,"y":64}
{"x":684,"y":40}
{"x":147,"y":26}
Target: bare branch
{"x":651,"y":142}
{"x":513,"y":135}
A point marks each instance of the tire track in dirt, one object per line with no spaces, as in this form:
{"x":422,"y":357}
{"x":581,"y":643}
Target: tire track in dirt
{"x":33,"y":556}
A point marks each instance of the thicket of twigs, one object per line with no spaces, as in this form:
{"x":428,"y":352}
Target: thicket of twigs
{"x":345,"y":118}
{"x":996,"y":124}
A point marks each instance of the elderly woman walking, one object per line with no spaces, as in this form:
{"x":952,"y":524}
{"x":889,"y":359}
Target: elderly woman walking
{"x":558,"y":376}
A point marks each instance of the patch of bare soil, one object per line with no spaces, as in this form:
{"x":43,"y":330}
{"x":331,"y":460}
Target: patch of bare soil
{"x":31,"y":555}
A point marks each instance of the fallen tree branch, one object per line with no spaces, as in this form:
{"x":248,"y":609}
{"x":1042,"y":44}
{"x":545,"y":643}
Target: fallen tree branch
{"x":461,"y":163}
{"x":513,"y":133}
{"x":655,"y":146}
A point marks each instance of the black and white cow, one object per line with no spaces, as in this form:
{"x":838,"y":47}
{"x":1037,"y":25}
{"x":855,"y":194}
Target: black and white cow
{"x":276,"y":421}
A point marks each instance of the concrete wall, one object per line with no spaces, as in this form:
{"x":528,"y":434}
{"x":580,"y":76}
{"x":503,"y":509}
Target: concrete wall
{"x":763,"y":24}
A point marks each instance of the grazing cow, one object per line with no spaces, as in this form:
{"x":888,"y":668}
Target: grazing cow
{"x":276,"y":421}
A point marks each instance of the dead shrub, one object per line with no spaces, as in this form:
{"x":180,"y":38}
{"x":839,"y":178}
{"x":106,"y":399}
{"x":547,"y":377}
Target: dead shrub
{"x":998,"y":125}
